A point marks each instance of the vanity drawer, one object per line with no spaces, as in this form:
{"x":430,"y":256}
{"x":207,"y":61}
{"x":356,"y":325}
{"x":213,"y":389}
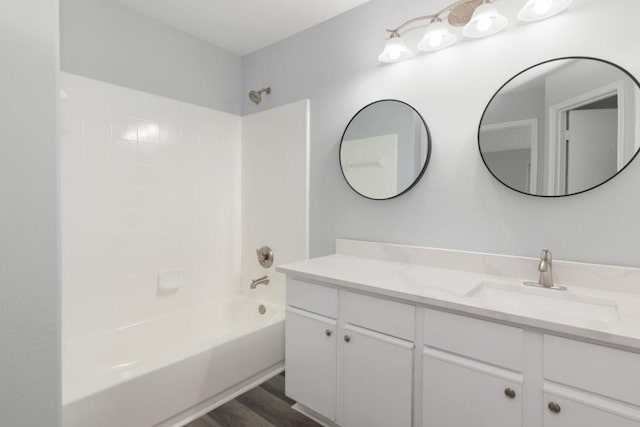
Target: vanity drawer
{"x":595,"y":368}
{"x":317,"y":299}
{"x":489,"y":342}
{"x":389,"y":317}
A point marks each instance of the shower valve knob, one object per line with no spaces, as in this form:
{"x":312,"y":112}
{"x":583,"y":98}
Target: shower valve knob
{"x":265,"y":256}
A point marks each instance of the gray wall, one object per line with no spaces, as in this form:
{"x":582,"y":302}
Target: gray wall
{"x":29,"y":282}
{"x":106,"y":41}
{"x":458,"y":204}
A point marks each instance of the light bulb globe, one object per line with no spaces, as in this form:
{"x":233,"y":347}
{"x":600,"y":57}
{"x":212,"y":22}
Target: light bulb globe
{"x":437,"y":37}
{"x":537,"y":10}
{"x":486,"y":21}
{"x":395,"y":50}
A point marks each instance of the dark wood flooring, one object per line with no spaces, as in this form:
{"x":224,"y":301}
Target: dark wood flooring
{"x":263,"y":406}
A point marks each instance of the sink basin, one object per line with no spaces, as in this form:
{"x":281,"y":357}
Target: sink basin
{"x":545,"y":303}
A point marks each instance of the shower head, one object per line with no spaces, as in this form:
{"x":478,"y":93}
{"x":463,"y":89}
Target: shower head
{"x":256,"y":95}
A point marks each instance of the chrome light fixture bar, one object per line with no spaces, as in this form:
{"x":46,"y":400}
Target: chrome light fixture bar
{"x":479,"y":18}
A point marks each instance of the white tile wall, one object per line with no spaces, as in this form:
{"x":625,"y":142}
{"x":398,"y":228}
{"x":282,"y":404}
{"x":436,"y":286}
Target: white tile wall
{"x":149,"y":184}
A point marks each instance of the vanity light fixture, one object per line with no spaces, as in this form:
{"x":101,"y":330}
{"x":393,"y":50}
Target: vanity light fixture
{"x":479,"y":18}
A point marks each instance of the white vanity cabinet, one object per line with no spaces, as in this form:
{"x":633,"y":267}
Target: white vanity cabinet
{"x":586,"y":410}
{"x":460,"y":392}
{"x":353,"y":366}
{"x":377,"y":361}
{"x":311,"y":346}
{"x":311,"y":361}
{"x":471,"y":372}
{"x":363,"y":360}
{"x":377,"y":379}
{"x":590,"y":385}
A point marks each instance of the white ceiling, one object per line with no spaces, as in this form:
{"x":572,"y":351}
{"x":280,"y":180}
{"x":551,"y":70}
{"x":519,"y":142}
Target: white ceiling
{"x":241,"y":26}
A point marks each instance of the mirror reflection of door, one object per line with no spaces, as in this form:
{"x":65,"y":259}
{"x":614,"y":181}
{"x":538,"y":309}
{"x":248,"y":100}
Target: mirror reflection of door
{"x":510,"y":152}
{"x":589,"y":138}
{"x":591,"y":144}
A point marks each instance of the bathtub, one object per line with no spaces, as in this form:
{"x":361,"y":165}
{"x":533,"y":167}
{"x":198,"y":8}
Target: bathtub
{"x":170,"y":370}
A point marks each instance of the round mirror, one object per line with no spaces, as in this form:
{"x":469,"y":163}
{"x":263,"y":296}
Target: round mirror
{"x":385,"y":149}
{"x":562,"y":127}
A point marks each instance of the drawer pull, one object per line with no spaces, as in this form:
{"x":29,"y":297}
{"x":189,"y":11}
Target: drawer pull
{"x":347,"y":338}
{"x":510,"y":393}
{"x":328,"y":332}
{"x":554,"y":407}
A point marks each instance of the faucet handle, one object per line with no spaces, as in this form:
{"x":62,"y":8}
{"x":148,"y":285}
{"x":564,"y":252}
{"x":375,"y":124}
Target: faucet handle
{"x":265,"y":256}
{"x":546,"y":255}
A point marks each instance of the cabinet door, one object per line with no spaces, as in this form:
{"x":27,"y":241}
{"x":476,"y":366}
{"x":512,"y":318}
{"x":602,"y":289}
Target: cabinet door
{"x":377,"y":379}
{"x":311,"y":361}
{"x":460,"y":392}
{"x":587,"y":412}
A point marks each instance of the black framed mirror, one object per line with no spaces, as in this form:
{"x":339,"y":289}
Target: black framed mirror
{"x":385,"y":149}
{"x":562,"y":127}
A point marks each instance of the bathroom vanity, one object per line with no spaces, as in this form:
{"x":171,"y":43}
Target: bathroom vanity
{"x":388,"y":335}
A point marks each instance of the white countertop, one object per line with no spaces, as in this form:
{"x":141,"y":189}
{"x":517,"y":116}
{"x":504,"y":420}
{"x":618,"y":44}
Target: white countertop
{"x":447,"y":289}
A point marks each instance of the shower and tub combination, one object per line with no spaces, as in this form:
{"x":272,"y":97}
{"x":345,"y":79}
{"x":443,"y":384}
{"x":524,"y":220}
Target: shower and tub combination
{"x":171,"y":304}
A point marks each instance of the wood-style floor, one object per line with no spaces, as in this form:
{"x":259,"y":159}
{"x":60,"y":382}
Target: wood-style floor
{"x":263,"y":406}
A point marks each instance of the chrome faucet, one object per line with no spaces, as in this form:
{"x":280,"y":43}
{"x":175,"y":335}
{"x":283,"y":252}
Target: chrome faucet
{"x":545,"y":267}
{"x":264,"y":280}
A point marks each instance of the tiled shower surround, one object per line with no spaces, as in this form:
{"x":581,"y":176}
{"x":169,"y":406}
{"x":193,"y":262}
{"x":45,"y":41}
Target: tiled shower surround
{"x":149,"y":185}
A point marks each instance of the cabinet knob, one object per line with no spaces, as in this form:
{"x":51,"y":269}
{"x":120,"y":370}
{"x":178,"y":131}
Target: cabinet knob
{"x":510,"y":393}
{"x":554,"y":407}
{"x":328,"y":332}
{"x":347,"y":338}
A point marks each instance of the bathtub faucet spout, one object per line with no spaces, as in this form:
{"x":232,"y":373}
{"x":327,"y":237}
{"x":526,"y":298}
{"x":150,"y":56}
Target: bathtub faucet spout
{"x":264,"y":280}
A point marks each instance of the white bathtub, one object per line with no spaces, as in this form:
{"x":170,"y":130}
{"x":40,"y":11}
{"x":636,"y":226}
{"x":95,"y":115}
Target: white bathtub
{"x":170,"y":370}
